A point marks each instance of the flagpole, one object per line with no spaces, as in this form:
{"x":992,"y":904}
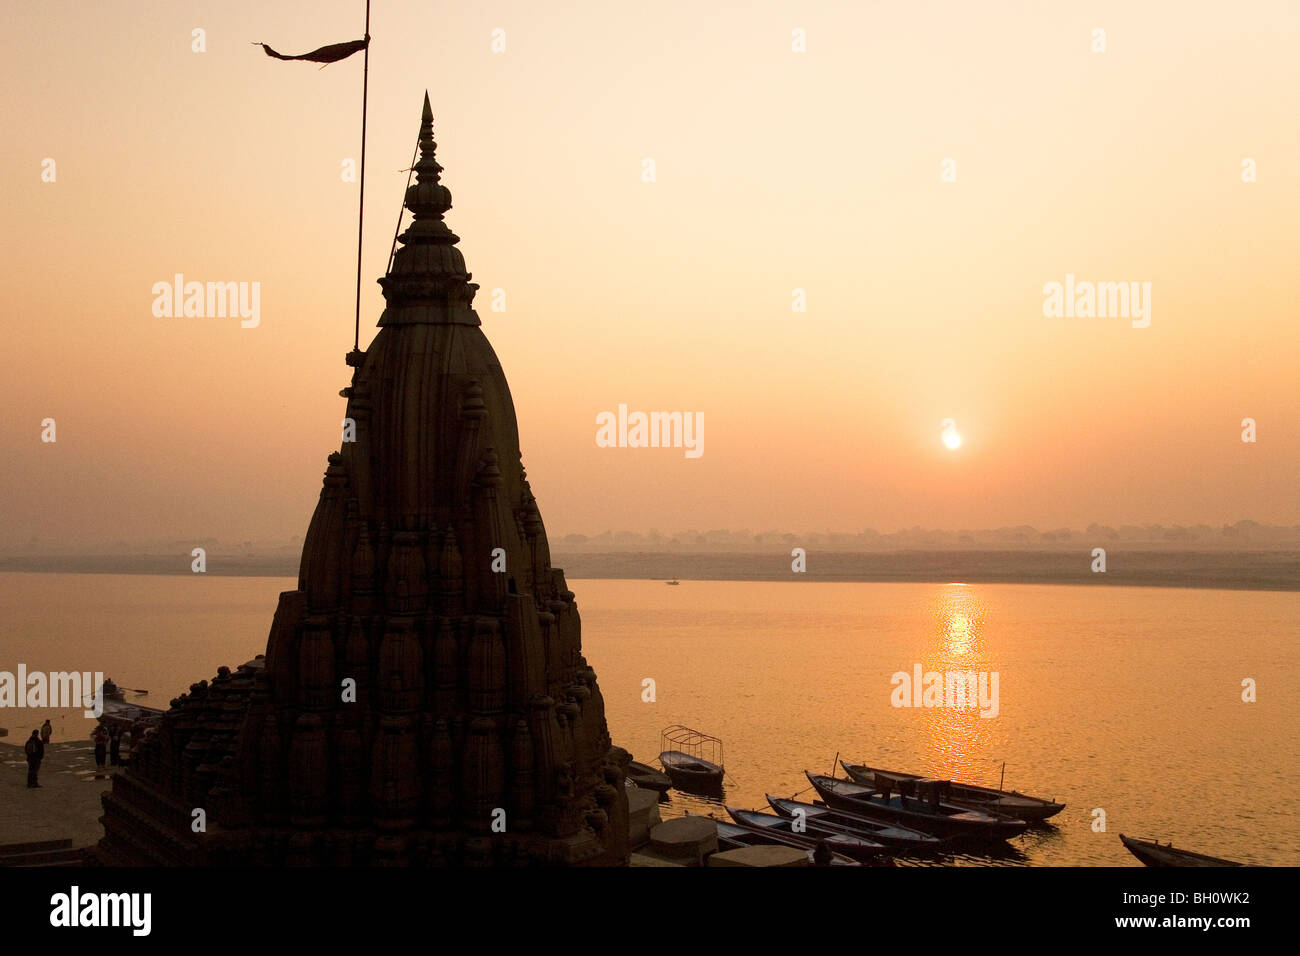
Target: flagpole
{"x":365,"y":85}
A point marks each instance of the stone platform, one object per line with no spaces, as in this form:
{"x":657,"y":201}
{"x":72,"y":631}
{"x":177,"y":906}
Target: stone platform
{"x":67,"y":804}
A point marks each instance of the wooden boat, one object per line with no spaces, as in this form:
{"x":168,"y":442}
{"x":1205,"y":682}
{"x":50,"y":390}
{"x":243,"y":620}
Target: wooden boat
{"x":1151,"y":853}
{"x":647,"y":777}
{"x":118,"y":713}
{"x":929,"y":812}
{"x":692,"y":760}
{"x":673,"y":583}
{"x":854,"y":846}
{"x":1012,"y":803}
{"x":691,"y":773}
{"x":838,"y":821}
{"x":732,"y":836}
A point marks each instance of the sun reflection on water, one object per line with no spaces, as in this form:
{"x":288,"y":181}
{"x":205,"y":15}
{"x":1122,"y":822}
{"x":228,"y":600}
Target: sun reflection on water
{"x":961,"y":740}
{"x":959,"y":634}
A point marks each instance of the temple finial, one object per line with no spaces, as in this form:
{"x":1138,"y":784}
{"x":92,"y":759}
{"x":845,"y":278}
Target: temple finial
{"x":427,"y":171}
{"x":410,"y":294}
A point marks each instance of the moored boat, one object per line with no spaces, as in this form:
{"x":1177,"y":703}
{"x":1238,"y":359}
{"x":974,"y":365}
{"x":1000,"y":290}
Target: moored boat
{"x":692,"y":759}
{"x":116,"y":712}
{"x":111,"y":691}
{"x":647,"y":777}
{"x":1011,"y":803}
{"x":929,"y":812}
{"x":851,"y":845}
{"x":882,"y":831}
{"x":1151,"y":853}
{"x":691,"y":773}
{"x":732,"y":836}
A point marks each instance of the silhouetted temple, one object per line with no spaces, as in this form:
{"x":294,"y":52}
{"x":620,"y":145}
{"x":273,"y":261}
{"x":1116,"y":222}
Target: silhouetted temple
{"x":477,"y":734}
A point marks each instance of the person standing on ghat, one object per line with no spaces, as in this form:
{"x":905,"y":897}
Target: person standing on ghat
{"x":47,"y":731}
{"x":100,"y":739}
{"x":35,"y":754}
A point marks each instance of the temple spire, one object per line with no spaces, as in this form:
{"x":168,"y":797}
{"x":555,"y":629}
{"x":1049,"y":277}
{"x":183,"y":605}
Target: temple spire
{"x":428,"y":200}
{"x":427,"y":282}
{"x":471,"y":691}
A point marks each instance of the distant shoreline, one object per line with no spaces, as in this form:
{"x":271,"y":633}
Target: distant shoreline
{"x":1230,"y":570}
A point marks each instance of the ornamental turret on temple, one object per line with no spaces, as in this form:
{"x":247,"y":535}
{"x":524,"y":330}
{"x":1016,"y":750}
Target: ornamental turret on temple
{"x":423,"y":698}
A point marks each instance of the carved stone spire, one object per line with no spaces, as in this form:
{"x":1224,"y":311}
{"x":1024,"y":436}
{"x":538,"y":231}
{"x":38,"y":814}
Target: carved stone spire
{"x":428,"y":282}
{"x":426,"y":676}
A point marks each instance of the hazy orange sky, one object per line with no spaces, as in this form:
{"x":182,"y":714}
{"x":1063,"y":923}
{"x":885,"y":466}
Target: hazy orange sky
{"x":775,"y":170}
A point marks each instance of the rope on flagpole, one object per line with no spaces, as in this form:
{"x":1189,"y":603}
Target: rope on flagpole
{"x":365,"y":88}
{"x":402,"y":209}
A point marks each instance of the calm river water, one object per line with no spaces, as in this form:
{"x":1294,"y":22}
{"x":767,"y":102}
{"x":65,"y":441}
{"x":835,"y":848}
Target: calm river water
{"x":1125,"y":702}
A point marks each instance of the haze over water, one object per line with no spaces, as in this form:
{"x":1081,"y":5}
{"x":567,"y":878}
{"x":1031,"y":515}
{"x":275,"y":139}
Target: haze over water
{"x":1125,"y":699}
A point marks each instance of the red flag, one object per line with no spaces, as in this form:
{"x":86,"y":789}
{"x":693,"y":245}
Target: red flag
{"x":326,"y":54}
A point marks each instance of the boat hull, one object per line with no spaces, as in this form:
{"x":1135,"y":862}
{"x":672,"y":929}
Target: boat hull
{"x":1007,"y":802}
{"x":691,"y":774}
{"x":951,"y":821}
{"x":648,"y":778}
{"x":1152,"y":853}
{"x":854,"y":846}
{"x":732,"y":836}
{"x":888,"y":832}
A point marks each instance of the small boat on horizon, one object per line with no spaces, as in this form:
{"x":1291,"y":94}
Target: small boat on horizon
{"x":674,"y":582}
{"x":928,"y":812}
{"x":1152,"y":853}
{"x":1010,"y":803}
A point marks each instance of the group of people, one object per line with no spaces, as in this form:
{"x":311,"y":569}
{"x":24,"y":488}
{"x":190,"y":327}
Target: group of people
{"x":108,"y":742}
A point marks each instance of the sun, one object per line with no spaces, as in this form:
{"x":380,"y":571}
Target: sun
{"x":950,"y":436}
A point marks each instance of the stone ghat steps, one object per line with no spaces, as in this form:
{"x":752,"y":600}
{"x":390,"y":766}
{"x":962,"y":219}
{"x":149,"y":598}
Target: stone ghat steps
{"x":41,"y":853}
